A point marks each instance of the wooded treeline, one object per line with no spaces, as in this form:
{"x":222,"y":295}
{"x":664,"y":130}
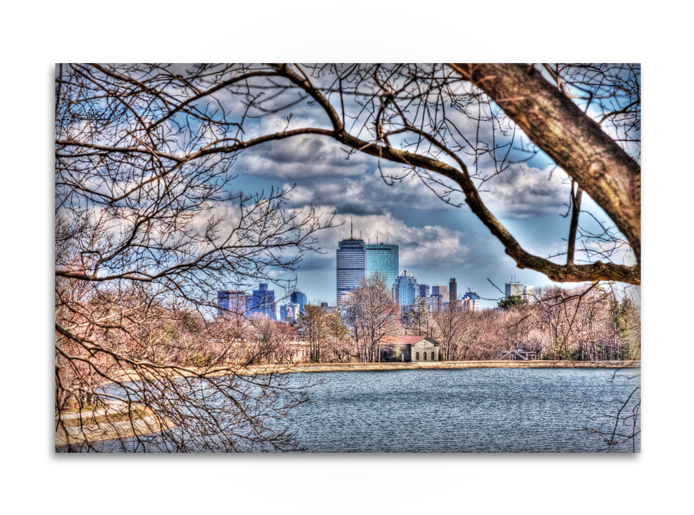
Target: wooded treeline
{"x":587,"y":323}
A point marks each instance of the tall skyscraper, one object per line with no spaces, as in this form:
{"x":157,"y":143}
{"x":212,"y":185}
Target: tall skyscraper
{"x":424,"y":290}
{"x":231,"y":302}
{"x":262,"y":302}
{"x":453,"y":291}
{"x":299,"y":298}
{"x":385,"y":259}
{"x":405,"y":289}
{"x":351,"y":265}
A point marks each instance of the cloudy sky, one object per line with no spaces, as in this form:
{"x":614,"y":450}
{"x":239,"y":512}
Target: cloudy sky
{"x":437,"y":241}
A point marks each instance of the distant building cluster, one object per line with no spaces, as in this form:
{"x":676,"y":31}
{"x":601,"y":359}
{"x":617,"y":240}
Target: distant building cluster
{"x":260,"y":302}
{"x":516,"y":289}
{"x":357,"y":260}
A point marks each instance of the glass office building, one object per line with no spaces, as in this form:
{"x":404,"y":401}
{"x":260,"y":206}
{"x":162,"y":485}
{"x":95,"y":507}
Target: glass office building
{"x":351,"y":265}
{"x":406,"y":289}
{"x":299,"y":298}
{"x":441,"y":291}
{"x":231,"y":301}
{"x":262,"y":302}
{"x":383,"y":258}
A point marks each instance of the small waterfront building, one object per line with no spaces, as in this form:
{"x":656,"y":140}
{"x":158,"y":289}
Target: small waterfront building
{"x":409,"y":349}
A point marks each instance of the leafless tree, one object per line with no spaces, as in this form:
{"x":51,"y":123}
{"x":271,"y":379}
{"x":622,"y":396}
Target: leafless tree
{"x":448,"y":327}
{"x":148,"y":222}
{"x":417,"y":317}
{"x":148,"y":227}
{"x":371,"y":314}
{"x":444,"y":123}
{"x":586,"y":323}
{"x":314,"y":326}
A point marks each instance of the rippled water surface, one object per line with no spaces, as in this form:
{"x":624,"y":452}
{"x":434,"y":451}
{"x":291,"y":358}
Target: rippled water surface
{"x":469,"y":410}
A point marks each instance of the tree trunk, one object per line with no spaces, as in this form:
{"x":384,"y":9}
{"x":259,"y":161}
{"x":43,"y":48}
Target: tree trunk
{"x":572,"y":139}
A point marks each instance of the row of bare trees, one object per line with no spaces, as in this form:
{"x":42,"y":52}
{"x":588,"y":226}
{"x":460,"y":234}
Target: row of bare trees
{"x":584,"y":323}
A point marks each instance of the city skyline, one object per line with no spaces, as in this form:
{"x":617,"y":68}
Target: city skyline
{"x":405,"y":290}
{"x":317,"y":274}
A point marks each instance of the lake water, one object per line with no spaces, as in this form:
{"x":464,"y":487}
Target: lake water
{"x":468,"y":410}
{"x":464,"y":410}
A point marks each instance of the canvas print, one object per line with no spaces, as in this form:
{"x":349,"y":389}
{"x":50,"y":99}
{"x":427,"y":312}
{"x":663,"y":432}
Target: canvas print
{"x":347,"y":258}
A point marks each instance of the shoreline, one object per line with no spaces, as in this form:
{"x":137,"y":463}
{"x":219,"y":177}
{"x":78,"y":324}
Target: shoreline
{"x":434,"y":365}
{"x":298,"y":368}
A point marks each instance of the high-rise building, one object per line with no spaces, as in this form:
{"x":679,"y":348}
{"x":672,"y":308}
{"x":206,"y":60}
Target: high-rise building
{"x":405,"y":289}
{"x":432,"y":302}
{"x":529,"y":294}
{"x":289,"y":312}
{"x":351,"y":265}
{"x":453,"y":291}
{"x":299,"y":298}
{"x":262,"y":302}
{"x":424,"y":290}
{"x":231,"y":302}
{"x":472,"y":302}
{"x":441,"y":291}
{"x":514,"y":289}
{"x":385,"y":259}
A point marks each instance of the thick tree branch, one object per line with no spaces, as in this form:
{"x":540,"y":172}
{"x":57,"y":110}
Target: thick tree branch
{"x":571,"y":138}
{"x":560,"y":273}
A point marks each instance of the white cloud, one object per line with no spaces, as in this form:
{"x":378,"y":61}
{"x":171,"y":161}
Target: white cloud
{"x":523,"y":192}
